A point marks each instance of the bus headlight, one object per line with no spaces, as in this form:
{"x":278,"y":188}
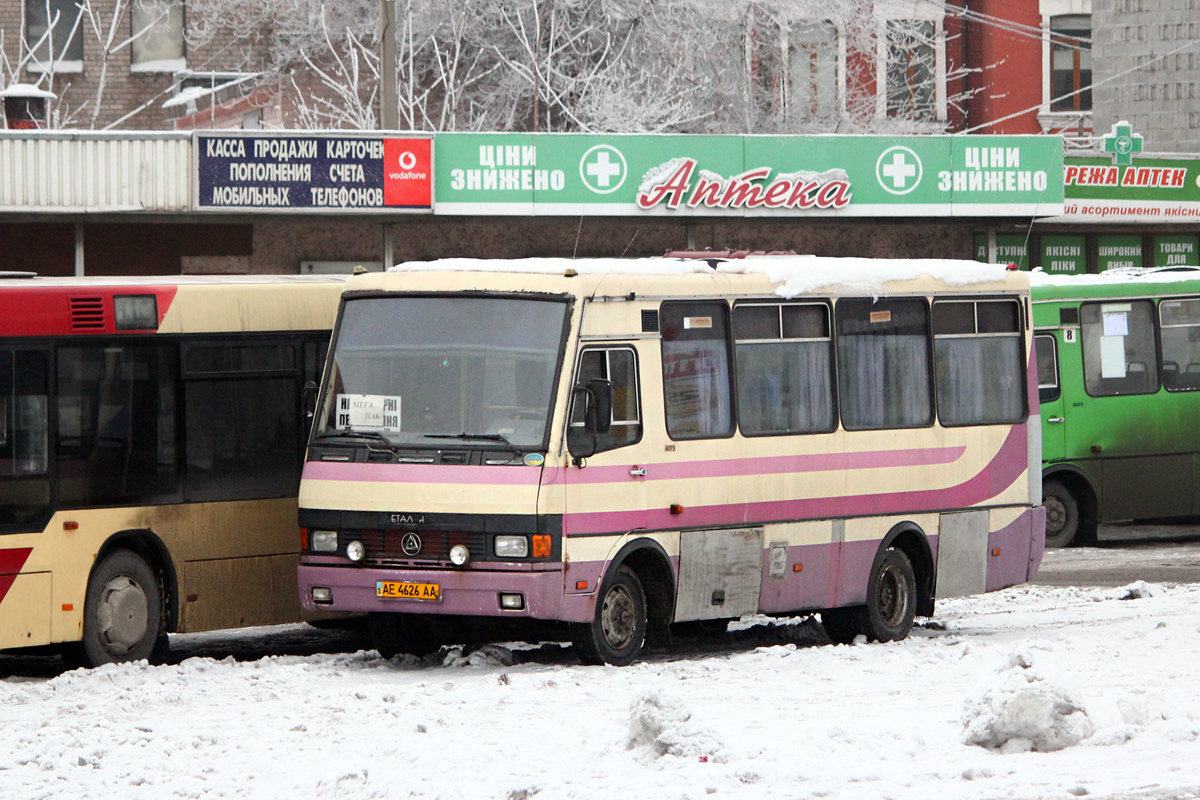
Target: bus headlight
{"x":512,"y":547}
{"x":322,"y":541}
{"x":356,"y":551}
{"x":459,"y":555}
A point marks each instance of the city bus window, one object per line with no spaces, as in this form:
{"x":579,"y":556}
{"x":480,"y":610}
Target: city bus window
{"x":978,"y":362}
{"x":24,"y":462}
{"x":242,"y":432}
{"x":784,"y":360}
{"x":1180,"y":320}
{"x":1119,"y":355}
{"x":116,"y":423}
{"x":1046,"y":348}
{"x":883,"y":363}
{"x":695,"y":353}
{"x":618,"y":366}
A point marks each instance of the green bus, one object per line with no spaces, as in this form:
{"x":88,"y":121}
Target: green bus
{"x":1118,"y":363}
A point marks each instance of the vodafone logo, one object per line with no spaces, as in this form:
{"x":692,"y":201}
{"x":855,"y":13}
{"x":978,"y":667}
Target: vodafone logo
{"x":406,"y":173}
{"x":407,"y":160}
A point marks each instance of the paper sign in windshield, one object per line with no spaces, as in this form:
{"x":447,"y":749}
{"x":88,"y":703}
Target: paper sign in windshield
{"x":368,"y":412}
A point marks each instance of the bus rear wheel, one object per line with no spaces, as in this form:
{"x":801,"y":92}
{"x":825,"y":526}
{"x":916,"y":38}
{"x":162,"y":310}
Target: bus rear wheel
{"x":615,"y":634}
{"x":393,"y":633}
{"x":122,"y":613}
{"x":1062,"y":514}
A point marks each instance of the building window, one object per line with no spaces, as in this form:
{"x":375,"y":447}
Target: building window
{"x":813,"y":70}
{"x":1071,"y":62}
{"x":54,"y":33}
{"x":911,"y":69}
{"x":156,"y":27}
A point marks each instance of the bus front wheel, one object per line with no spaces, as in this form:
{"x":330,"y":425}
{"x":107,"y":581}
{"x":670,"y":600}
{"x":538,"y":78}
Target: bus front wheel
{"x":1062,"y":514}
{"x":891,"y":598}
{"x":122,"y":612}
{"x":615,"y":634}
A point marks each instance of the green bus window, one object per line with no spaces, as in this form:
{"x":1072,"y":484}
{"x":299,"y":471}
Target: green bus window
{"x":696,"y":380}
{"x":1180,"y":320}
{"x":24,"y":457}
{"x":1046,"y":349}
{"x":979,"y":362}
{"x":1119,"y":354}
{"x":618,"y":366}
{"x":784,"y":362}
{"x":883,"y":363}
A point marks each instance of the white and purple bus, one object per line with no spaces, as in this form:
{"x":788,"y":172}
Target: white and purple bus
{"x":620,"y":445}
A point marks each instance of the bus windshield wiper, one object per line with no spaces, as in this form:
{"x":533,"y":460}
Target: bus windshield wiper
{"x":487,"y":437}
{"x":391,"y":446}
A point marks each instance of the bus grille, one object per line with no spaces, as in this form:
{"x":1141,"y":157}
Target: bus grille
{"x":386,"y":547}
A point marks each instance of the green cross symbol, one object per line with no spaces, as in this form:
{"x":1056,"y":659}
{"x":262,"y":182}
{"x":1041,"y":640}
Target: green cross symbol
{"x":1123,"y":143}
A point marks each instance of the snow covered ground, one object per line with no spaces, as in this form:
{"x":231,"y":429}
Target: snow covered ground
{"x":1030,"y":693}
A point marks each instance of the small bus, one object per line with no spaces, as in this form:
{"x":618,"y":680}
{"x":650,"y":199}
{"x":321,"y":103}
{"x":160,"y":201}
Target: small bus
{"x":621,"y":445}
{"x":152,"y":432}
{"x":1118,"y":358}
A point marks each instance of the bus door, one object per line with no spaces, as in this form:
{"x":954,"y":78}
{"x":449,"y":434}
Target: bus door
{"x":606,"y":485}
{"x":1054,"y":420}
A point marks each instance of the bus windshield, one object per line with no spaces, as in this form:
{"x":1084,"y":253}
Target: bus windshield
{"x":429,"y":371}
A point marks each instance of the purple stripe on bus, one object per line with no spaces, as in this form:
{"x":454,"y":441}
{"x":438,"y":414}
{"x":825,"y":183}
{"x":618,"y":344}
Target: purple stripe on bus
{"x":998,"y":475}
{"x":772,"y":465}
{"x":1014,"y":543}
{"x":421,"y":473}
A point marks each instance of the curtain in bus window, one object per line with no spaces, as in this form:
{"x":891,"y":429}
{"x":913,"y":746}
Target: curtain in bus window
{"x":979,"y":380}
{"x":696,"y":370}
{"x":116,"y":424}
{"x":242,"y":428}
{"x":883,"y":364}
{"x":24,"y":462}
{"x":1119,"y":353}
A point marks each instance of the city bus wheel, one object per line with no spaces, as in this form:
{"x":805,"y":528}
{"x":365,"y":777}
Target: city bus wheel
{"x":891,"y":598}
{"x":402,"y":633}
{"x":122,"y":611}
{"x":1062,"y":514}
{"x":842,"y":625}
{"x":616,"y":633}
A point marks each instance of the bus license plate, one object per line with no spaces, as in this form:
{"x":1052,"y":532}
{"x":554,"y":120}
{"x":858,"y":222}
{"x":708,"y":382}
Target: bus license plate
{"x":408,"y":591}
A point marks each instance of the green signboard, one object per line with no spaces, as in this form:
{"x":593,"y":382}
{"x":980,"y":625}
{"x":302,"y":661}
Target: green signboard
{"x":1176,"y":251}
{"x":1011,"y":248}
{"x":1147,"y":190}
{"x":687,"y":176}
{"x":1064,"y":255}
{"x":1119,"y":252}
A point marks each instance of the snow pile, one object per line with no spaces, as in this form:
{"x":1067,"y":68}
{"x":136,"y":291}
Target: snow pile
{"x":489,"y":655}
{"x":1026,"y":713}
{"x":800,"y":275}
{"x":662,"y":724}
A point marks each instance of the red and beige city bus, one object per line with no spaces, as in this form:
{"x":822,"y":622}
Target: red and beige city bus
{"x":152,"y":432}
{"x":623,"y":445}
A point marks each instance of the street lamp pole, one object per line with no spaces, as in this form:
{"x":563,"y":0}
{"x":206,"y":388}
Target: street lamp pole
{"x":389,"y":105}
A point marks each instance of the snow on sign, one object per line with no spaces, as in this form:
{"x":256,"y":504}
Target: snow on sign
{"x":368,"y":412}
{"x":636,"y":174}
{"x":313,"y":172}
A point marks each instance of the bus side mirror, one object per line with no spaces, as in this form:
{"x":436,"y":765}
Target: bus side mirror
{"x":309,"y":401}
{"x":598,"y":417}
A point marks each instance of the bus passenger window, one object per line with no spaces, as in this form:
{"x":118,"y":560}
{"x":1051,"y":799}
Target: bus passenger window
{"x":784,"y":360}
{"x":242,"y":407}
{"x":883,"y":363}
{"x":116,"y":423}
{"x":695,"y":355}
{"x":1046,"y":349}
{"x":24,"y":462}
{"x":979,"y":362}
{"x":618,"y":366}
{"x":1180,"y":320}
{"x":1119,"y":354}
